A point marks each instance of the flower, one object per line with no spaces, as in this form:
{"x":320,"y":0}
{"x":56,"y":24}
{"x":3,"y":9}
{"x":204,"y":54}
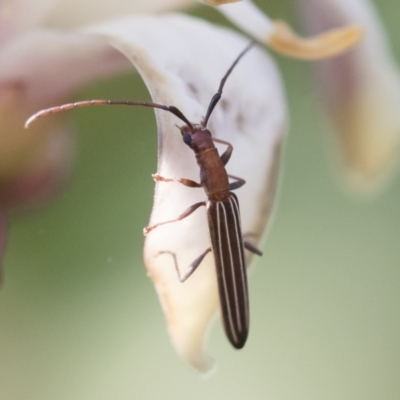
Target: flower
{"x":189,"y":84}
{"x":62,"y":61}
{"x":35,"y":160}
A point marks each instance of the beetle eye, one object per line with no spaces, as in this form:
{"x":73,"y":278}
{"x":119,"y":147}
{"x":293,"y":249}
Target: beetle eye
{"x":187,"y":138}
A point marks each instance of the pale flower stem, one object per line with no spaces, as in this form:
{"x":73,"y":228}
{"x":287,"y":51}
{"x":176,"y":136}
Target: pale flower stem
{"x":247,"y":16}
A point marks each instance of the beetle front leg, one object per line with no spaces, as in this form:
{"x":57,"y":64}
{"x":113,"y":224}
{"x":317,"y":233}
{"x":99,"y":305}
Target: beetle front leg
{"x":226,"y":155}
{"x":185,"y":214}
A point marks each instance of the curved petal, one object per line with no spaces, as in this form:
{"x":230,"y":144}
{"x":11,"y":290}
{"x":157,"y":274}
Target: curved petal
{"x":65,"y":15}
{"x":58,"y":65}
{"x":251,"y":115}
{"x":361,"y":90}
{"x":19,"y":16}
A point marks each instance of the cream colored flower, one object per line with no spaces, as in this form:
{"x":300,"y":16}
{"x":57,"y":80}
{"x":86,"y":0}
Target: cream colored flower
{"x":42,"y":65}
{"x":62,"y":61}
{"x":257,"y":130}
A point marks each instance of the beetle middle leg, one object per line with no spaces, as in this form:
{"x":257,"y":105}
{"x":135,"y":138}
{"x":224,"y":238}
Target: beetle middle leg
{"x":191,"y":268}
{"x":185,"y":214}
{"x":183,"y":181}
{"x":239,"y":182}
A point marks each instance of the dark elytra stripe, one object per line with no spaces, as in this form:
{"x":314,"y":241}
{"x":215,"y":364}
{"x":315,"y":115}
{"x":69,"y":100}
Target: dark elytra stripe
{"x":228,"y":250}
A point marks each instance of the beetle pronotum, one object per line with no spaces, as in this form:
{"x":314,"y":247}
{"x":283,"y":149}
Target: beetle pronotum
{"x":227,"y":243}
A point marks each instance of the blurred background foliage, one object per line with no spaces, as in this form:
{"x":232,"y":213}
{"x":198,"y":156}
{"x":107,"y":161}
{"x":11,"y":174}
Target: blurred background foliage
{"x":79,"y":319}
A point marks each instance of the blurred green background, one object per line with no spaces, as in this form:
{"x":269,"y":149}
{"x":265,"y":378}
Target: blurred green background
{"x":79,"y":319}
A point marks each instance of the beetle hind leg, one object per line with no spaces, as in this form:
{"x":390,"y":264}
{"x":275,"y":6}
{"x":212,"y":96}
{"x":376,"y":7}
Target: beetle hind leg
{"x":191,"y":268}
{"x":253,"y":249}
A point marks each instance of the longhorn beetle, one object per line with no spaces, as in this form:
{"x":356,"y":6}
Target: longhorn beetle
{"x":227,"y":243}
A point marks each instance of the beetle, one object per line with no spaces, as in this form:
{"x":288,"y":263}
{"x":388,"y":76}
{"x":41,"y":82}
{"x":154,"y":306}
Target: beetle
{"x":223,"y":213}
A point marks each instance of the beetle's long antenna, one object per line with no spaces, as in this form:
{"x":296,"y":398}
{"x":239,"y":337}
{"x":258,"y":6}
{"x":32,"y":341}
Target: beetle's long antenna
{"x":217,"y":96}
{"x":86,"y":103}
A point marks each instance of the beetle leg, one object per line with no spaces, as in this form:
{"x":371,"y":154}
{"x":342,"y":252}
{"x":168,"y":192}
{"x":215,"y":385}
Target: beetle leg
{"x":226,"y":155}
{"x":253,"y":249}
{"x":191,"y":268}
{"x":185,"y":214}
{"x":239,"y":182}
{"x":183,"y":181}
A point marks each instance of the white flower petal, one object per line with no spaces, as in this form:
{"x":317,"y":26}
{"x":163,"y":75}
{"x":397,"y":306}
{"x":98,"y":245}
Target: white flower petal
{"x":184,"y":69}
{"x":361,"y":90}
{"x":58,"y":64}
{"x":19,"y":16}
{"x":75,"y":13}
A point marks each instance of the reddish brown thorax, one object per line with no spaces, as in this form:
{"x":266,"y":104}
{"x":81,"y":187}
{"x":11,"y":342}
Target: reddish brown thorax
{"x":213,"y":176}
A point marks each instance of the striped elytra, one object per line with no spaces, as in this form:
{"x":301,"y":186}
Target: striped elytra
{"x":228,"y":250}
